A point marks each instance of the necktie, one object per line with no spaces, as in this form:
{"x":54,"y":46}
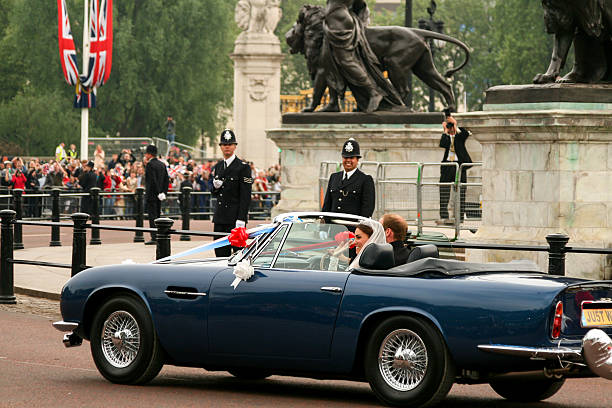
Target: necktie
{"x":344,"y":178}
{"x":224,"y":165}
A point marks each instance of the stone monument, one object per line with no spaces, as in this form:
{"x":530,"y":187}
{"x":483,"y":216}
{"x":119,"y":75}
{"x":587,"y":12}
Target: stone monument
{"x":342,"y":52}
{"x":257,"y":66}
{"x":547,"y":149}
{"x":547,"y":168}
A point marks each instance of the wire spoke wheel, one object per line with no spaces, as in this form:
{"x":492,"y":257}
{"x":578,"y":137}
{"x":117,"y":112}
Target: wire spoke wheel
{"x":402,"y":360}
{"x":120,"y":339}
{"x":407,"y":362}
{"x":124,"y":343}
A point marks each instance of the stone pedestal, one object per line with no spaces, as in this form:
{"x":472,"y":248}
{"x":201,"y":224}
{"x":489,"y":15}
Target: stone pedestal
{"x":257,"y":63}
{"x":547,"y":168}
{"x":306,"y":140}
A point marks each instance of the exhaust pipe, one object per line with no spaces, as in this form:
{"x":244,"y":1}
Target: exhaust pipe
{"x":72,"y":340}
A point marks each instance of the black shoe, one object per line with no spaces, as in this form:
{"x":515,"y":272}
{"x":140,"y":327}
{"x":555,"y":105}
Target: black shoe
{"x":151,"y":242}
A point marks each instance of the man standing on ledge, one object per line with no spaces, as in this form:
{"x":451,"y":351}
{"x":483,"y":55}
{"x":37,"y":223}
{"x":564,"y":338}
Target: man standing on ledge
{"x":453,"y":142}
{"x":232,"y":182}
{"x":156,"y":185}
{"x":350,"y":191}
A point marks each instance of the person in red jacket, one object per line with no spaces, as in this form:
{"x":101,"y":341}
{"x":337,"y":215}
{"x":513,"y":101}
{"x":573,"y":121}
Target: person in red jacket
{"x":19,"y":180}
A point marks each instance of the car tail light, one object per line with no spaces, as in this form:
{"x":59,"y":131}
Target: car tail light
{"x":556,"y":327}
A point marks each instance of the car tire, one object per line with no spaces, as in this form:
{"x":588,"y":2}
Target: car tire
{"x":421,"y":376}
{"x":124,"y":343}
{"x":249,"y":374}
{"x":522,"y":390}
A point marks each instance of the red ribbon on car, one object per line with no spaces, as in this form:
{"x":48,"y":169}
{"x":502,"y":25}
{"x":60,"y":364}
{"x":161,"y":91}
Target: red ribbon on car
{"x":345,"y":235}
{"x":238,"y":237}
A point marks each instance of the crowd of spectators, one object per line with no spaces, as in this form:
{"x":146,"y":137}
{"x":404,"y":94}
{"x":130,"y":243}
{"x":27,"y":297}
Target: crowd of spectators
{"x":123,"y":173}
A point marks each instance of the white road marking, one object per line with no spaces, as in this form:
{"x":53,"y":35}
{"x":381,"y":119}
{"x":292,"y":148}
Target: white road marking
{"x":47,"y":365}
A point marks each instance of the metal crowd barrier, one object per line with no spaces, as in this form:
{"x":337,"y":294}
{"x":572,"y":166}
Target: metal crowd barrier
{"x":185,"y":205}
{"x":414,"y":191}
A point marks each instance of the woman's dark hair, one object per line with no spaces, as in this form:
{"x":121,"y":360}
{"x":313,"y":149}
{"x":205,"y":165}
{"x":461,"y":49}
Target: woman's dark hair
{"x":366,"y":229}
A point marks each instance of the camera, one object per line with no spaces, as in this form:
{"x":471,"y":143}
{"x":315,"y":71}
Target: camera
{"x":449,"y":125}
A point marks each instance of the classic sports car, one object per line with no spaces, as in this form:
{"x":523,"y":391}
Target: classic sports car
{"x":411,"y":330}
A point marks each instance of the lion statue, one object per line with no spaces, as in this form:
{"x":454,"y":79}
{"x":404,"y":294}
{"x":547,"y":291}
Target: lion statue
{"x":399,"y":49}
{"x":588,"y":25}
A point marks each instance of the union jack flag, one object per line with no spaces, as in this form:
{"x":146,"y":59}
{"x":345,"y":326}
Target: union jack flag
{"x":100,"y":55}
{"x":101,"y":43}
{"x":66,"y":45}
{"x":174,"y":170}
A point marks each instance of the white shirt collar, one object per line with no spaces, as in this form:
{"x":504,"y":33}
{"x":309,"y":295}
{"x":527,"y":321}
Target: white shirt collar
{"x":350,"y":173}
{"x":229,"y":161}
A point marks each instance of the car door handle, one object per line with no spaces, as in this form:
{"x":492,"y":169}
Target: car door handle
{"x":333,"y":289}
{"x":178,"y":292}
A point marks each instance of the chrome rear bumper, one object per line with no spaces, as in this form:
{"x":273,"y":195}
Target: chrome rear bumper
{"x":535,"y":353}
{"x":596,"y":352}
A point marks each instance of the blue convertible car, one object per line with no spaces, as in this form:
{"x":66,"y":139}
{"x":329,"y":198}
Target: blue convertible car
{"x":411,"y":330}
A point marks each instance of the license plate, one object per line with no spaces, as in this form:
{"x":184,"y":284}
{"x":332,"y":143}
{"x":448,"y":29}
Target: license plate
{"x":596,"y":314}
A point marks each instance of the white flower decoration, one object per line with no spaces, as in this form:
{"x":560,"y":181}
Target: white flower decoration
{"x":242,"y":271}
{"x":349,"y":147}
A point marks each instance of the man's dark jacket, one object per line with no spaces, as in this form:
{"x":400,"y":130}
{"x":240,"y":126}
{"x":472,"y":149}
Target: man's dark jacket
{"x":234,"y":196}
{"x":88,"y":180}
{"x":447,"y":173}
{"x":400,"y":252}
{"x":156,"y":179}
{"x":353,"y":196}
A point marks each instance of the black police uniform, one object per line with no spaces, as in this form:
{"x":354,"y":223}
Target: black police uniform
{"x":356,"y":195}
{"x":156,"y":182}
{"x":447,"y":173}
{"x":234,"y":196}
{"x":87,"y":180}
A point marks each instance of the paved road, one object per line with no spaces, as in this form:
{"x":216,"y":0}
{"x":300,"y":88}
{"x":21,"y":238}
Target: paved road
{"x":37,"y":371}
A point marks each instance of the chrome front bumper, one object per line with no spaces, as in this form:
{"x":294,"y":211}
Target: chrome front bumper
{"x":596,"y":352}
{"x":70,"y":339}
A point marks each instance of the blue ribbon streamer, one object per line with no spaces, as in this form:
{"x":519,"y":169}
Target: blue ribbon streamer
{"x":221,"y":242}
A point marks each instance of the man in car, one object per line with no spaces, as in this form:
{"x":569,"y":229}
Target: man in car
{"x":396,"y":229}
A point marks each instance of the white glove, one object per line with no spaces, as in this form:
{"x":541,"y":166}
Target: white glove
{"x":217,"y":183}
{"x":161,"y":197}
{"x":240,"y":224}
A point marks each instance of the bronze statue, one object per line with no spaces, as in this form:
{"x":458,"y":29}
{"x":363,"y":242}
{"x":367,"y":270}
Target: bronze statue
{"x":588,"y":25}
{"x":350,"y":61}
{"x":397,"y":49}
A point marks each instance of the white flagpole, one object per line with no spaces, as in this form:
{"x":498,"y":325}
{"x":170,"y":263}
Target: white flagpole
{"x":85,"y":111}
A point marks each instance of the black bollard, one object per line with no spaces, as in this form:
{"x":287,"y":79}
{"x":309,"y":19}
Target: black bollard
{"x":163,"y":237}
{"x":79,"y":242}
{"x":186,"y":209}
{"x":139,"y":236}
{"x":55,"y":217}
{"x":95,"y":215}
{"x":7,"y":291}
{"x":556,"y":253}
{"x":18,"y":228}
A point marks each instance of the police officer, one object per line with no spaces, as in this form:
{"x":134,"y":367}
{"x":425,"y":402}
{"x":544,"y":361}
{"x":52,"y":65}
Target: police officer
{"x":156,"y":186}
{"x":232,"y":182}
{"x":350,"y":191}
{"x":87,"y":180}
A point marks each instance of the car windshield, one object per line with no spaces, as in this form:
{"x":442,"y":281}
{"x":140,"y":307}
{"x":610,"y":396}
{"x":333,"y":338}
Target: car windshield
{"x":309,"y":245}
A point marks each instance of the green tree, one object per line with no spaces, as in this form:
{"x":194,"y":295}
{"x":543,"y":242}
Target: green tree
{"x":168,"y":57}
